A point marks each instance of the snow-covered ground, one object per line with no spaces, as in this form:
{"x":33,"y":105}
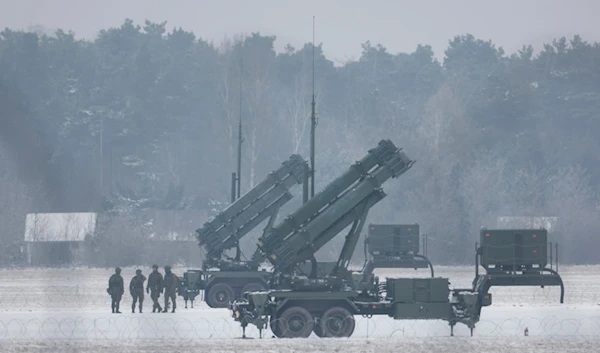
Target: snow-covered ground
{"x":68,"y":310}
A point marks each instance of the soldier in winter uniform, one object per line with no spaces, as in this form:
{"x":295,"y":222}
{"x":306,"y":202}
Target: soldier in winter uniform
{"x":155,"y":287}
{"x":136,"y":288}
{"x":171,"y":283}
{"x":116,"y":289}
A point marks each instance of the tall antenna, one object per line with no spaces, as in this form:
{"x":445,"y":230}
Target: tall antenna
{"x":240,"y":137}
{"x":313,"y":120}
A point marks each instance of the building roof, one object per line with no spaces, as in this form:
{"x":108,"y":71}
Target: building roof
{"x":55,"y":227}
{"x":548,"y":223}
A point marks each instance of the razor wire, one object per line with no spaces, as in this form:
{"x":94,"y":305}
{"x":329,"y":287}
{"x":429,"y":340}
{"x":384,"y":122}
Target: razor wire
{"x":86,"y":297}
{"x":131,"y":329}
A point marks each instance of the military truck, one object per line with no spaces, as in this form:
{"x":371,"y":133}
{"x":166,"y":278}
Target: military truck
{"x":297,"y":306}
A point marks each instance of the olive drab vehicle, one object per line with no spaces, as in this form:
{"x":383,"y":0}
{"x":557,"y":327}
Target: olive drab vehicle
{"x":225,"y":278}
{"x":297,"y":306}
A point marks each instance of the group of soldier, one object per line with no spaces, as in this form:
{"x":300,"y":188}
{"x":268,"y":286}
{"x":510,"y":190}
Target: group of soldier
{"x":155,"y":287}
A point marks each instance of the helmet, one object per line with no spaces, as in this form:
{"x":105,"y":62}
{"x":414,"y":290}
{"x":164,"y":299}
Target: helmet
{"x":138,"y":271}
{"x":118,"y":270}
{"x":155,"y":266}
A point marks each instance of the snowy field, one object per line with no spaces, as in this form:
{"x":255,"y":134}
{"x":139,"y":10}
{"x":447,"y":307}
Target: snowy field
{"x":68,"y":310}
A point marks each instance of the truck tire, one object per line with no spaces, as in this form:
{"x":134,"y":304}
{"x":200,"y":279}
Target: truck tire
{"x":337,"y":322}
{"x":295,"y":322}
{"x":219,"y":295}
{"x":252,"y":287}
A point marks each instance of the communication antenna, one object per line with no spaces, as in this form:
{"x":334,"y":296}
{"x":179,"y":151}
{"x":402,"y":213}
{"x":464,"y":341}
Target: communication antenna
{"x":313,"y":120}
{"x":240,"y":137}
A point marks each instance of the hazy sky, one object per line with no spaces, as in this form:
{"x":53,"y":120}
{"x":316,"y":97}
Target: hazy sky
{"x":341,"y":25}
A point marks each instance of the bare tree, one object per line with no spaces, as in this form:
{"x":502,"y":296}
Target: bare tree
{"x":445,"y":126}
{"x":295,"y":114}
{"x":229,"y":83}
{"x":483,"y":189}
{"x":16,"y":200}
{"x":39,"y":228}
{"x":527,"y":187}
{"x":259,"y":95}
{"x":569,"y":196}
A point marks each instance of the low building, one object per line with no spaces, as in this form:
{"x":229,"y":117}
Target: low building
{"x":55,"y":239}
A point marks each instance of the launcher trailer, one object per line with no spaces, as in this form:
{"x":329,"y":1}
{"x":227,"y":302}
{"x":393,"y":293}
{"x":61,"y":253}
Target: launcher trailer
{"x":297,"y":306}
{"x":224,"y":278}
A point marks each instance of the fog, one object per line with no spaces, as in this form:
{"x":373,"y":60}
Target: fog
{"x":341,"y":25}
{"x":136,"y":111}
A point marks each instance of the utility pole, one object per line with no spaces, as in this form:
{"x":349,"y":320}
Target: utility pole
{"x":313,"y":121}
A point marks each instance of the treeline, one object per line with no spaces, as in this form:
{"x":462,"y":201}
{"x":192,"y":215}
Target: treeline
{"x":144,"y":117}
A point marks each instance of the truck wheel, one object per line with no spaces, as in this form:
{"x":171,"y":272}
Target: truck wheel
{"x":296,"y":322}
{"x":337,"y":322}
{"x":252,"y":287}
{"x":219,"y":295}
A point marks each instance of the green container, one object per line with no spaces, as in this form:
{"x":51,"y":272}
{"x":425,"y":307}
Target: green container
{"x":393,"y":239}
{"x":514,"y":247}
{"x":439,"y":290}
{"x":401,"y":289}
{"x":419,"y":311}
{"x":418,"y":290}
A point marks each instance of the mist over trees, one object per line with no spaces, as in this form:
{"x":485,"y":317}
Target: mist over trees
{"x":144,"y":117}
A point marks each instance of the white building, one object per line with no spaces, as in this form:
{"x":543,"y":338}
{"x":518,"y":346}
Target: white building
{"x":58,"y":238}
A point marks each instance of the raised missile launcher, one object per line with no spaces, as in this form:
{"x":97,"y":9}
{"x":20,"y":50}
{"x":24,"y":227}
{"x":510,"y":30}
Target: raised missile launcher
{"x":224,"y":278}
{"x":343,"y":202}
{"x":327,"y":305}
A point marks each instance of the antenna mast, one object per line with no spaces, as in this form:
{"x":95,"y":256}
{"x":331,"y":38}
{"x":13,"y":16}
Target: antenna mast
{"x":240,"y":138}
{"x":313,"y":120}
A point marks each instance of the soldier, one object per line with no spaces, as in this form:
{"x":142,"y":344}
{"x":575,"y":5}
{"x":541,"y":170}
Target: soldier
{"x":136,"y":288}
{"x":171,"y":283}
{"x":116,"y":289}
{"x":155,"y":287}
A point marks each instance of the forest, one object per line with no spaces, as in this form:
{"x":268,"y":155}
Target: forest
{"x":145,"y":116}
